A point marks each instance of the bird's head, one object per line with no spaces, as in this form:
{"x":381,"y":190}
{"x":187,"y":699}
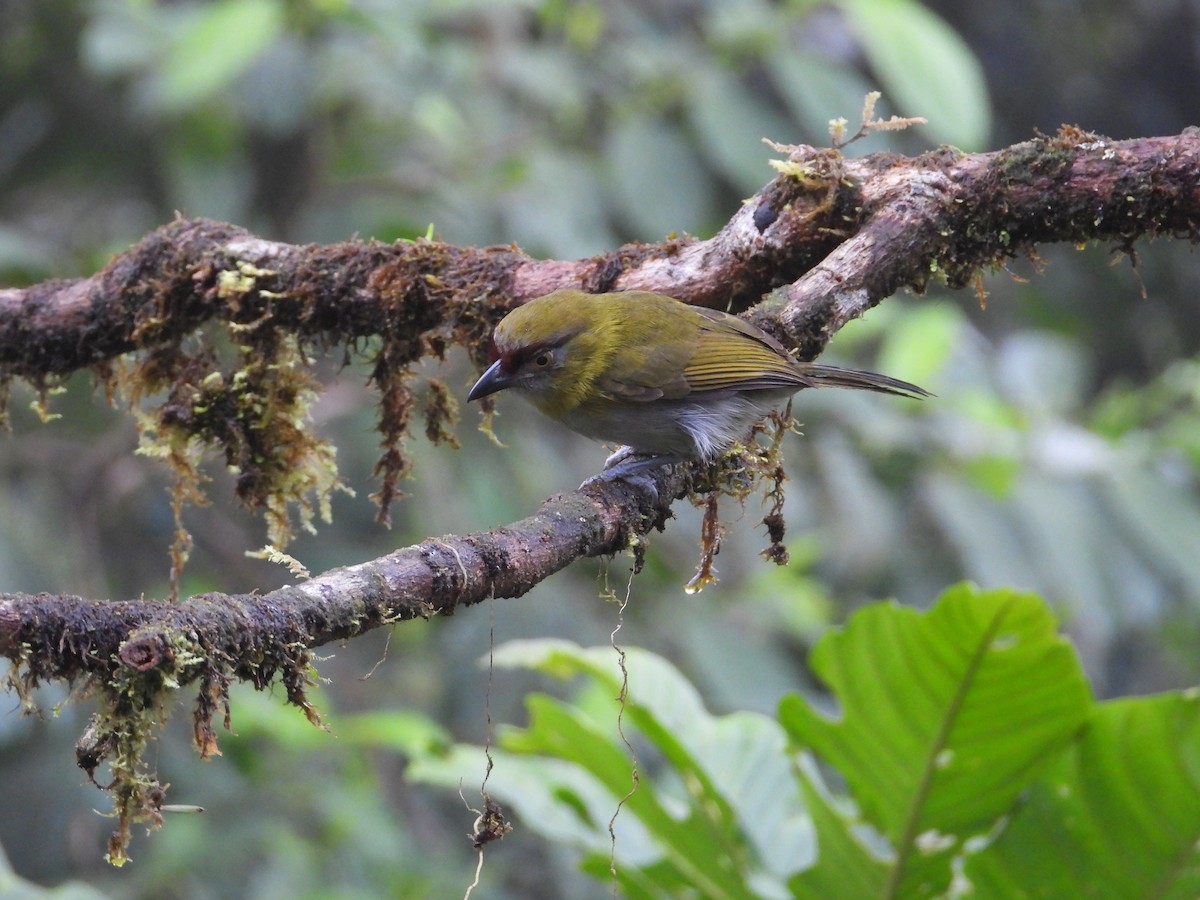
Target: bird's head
{"x":551,"y":349}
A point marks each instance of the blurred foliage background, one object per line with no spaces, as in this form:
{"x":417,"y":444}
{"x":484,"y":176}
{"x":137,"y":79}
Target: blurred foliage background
{"x":1061,"y":452}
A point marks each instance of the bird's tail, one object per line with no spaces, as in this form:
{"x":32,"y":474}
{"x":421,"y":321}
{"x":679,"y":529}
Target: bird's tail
{"x":835,"y":376}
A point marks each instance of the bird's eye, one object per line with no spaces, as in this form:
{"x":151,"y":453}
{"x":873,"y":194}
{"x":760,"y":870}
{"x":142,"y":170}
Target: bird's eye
{"x":543,"y":359}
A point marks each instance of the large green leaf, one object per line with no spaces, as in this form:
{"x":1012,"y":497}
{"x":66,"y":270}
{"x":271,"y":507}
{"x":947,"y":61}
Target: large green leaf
{"x":558,"y":800}
{"x":694,"y":840}
{"x":736,"y":765}
{"x":1118,"y":815}
{"x":722,"y":813}
{"x":946,"y":717}
{"x":976,"y":761}
{"x":925,"y":68}
{"x":734,"y":768}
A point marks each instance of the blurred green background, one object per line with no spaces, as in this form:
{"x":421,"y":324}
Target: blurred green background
{"x":1060,"y":454}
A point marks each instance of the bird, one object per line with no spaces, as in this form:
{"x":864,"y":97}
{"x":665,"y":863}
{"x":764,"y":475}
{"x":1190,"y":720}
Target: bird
{"x":670,"y":381}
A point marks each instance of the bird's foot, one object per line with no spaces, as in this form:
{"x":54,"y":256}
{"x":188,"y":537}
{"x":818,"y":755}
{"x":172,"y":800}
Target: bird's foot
{"x":626,"y":464}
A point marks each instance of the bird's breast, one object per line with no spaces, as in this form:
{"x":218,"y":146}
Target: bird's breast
{"x":691,"y":428}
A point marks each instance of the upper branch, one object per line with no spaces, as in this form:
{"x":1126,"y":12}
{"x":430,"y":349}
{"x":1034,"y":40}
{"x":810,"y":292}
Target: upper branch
{"x":843,"y":234}
{"x":954,"y":216}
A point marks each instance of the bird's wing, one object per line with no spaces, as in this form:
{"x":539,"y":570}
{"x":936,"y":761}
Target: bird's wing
{"x":734,"y":355}
{"x":731,"y":354}
{"x":646,"y":374}
{"x":725,"y":354}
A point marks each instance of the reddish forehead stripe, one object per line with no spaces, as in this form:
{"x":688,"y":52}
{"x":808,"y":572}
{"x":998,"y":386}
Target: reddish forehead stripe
{"x":512,"y":360}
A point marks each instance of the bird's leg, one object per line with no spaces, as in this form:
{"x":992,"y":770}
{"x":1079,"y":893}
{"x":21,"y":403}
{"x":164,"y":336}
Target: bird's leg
{"x":626,"y":461}
{"x":626,"y":464}
{"x":621,"y":453}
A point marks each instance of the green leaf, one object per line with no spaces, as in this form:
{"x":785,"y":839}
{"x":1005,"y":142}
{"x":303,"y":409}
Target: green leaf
{"x":653,"y":882}
{"x":567,"y":772}
{"x":848,"y":868}
{"x":946,"y":716}
{"x":1118,"y":816}
{"x":219,"y":47}
{"x":695,"y":842}
{"x":742,"y":804}
{"x":561,"y":801}
{"x":925,"y":68}
{"x":738,"y":761}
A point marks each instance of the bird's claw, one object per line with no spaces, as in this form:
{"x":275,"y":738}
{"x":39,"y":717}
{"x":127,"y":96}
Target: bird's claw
{"x":626,"y":464}
{"x":642,"y":482}
{"x":626,"y":461}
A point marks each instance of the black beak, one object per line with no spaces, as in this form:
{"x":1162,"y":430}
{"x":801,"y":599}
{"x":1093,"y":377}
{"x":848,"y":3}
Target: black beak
{"x":490,"y":381}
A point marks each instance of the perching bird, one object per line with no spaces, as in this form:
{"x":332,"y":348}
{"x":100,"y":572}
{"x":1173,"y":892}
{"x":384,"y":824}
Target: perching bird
{"x":670,"y":381}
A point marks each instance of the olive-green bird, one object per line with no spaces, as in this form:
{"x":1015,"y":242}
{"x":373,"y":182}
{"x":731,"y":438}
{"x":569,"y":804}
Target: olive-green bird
{"x":670,"y":381}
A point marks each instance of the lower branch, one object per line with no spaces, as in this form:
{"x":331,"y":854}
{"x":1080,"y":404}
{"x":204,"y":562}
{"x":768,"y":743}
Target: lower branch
{"x":61,"y":637}
{"x":135,"y":655}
